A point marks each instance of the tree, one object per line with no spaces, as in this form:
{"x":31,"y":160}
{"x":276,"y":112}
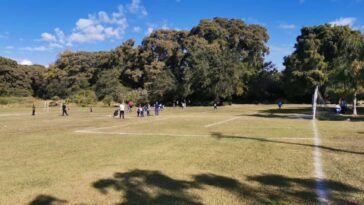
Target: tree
{"x":356,"y":73}
{"x":215,"y":60}
{"x":314,"y":60}
{"x":107,"y":100}
{"x":108,"y":84}
{"x":306,"y":65}
{"x":266,"y":86}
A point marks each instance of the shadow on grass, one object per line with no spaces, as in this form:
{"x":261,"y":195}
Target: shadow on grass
{"x":135,"y":186}
{"x":222,"y":136}
{"x":303,"y":188}
{"x":306,"y":113}
{"x":47,"y":200}
{"x":153,"y":187}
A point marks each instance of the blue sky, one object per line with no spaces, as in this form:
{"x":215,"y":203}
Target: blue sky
{"x":36,"y":31}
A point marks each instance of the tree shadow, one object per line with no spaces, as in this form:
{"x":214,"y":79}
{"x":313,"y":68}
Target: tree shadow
{"x":47,"y":200}
{"x":218,"y":135}
{"x":305,"y":113}
{"x":304,"y":188}
{"x":153,"y":187}
{"x":136,"y":183}
{"x":135,"y":187}
{"x":301,"y":110}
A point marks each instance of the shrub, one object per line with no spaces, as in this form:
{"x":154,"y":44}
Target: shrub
{"x":83,"y":98}
{"x":107,"y":100}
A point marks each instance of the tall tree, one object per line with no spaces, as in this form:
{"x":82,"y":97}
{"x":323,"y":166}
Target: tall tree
{"x":315,"y":59}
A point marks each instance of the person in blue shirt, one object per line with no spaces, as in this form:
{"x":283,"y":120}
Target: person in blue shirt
{"x":156,"y":108}
{"x":280,"y":104}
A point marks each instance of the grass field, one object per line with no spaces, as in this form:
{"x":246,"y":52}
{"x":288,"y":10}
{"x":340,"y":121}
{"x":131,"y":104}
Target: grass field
{"x":241,"y":154}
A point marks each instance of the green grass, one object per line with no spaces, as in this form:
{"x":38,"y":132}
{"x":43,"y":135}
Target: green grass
{"x":262,"y":156}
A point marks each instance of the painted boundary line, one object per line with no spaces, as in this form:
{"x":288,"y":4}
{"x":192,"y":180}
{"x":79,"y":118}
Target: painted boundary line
{"x":320,"y":186}
{"x":222,"y":122}
{"x":127,"y":124}
{"x":14,"y":114}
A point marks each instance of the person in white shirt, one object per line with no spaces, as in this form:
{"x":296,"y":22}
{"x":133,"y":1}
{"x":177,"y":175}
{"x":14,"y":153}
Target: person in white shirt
{"x":122,"y":110}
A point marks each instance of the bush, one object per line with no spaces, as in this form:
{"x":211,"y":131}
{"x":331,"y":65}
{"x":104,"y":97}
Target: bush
{"x":139,"y":96}
{"x":15,"y":100}
{"x":107,"y":100}
{"x":83,"y":98}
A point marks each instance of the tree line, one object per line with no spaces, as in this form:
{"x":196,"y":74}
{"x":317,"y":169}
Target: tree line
{"x":217,"y":60}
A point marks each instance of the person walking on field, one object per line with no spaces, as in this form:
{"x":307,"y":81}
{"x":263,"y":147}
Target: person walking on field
{"x":64,"y":109}
{"x":122,"y":111}
{"x":33,"y":110}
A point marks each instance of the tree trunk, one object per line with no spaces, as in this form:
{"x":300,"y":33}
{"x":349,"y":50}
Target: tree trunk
{"x":354,"y":105}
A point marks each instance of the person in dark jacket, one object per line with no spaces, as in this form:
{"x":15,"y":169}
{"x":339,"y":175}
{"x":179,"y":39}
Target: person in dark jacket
{"x":64,"y":110}
{"x":33,"y":110}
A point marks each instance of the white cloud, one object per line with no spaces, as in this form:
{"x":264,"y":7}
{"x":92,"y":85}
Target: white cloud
{"x":60,"y":35}
{"x":48,"y":37}
{"x":97,"y":27}
{"x":149,"y":31}
{"x":348,"y":21}
{"x":25,"y":62}
{"x":164,"y":27}
{"x":137,"y":29}
{"x":287,"y":26}
{"x":55,"y":45}
{"x":9,"y":47}
{"x":136,"y":8}
{"x":37,"y":48}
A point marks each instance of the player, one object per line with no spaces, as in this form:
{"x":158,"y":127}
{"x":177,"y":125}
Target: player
{"x":33,"y":110}
{"x":64,"y":109}
{"x":280,"y":104}
{"x":122,"y":110}
{"x":156,"y":108}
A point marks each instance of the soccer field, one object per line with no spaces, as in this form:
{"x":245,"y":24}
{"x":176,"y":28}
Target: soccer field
{"x":240,"y":154}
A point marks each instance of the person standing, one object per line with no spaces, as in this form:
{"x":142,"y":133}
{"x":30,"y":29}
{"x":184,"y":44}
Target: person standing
{"x":215,"y":106}
{"x":122,"y":111}
{"x":33,"y":110}
{"x":148,"y":109}
{"x":64,"y":109}
{"x":156,"y":108}
{"x":138,"y":111}
{"x":280,"y":104}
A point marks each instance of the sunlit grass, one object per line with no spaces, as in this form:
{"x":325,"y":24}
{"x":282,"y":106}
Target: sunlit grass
{"x":259,"y":157}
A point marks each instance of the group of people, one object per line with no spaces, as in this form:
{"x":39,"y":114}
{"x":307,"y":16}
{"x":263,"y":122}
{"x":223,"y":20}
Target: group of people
{"x":63,"y":108}
{"x":141,"y":110}
{"x":341,"y":107}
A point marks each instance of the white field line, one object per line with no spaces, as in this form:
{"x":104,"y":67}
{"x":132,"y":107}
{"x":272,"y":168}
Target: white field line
{"x":187,"y":135}
{"x":222,"y":122}
{"x":127,"y":124}
{"x":319,"y":175}
{"x":14,"y":114}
